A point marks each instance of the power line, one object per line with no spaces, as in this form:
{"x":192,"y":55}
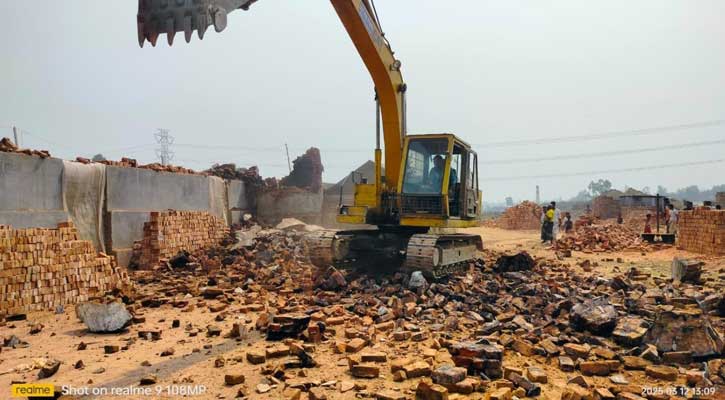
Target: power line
{"x":605,"y":135}
{"x":25,"y":132}
{"x":604,"y":153}
{"x":609,"y":171}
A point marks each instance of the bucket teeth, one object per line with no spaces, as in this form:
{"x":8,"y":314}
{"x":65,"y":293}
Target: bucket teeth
{"x":220,"y":20}
{"x":141,"y":34}
{"x":188,"y":29}
{"x":201,"y":26}
{"x":170,"y":32}
{"x":158,"y":17}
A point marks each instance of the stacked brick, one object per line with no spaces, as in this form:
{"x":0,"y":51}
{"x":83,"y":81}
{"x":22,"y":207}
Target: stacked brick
{"x":605,"y":207}
{"x":42,"y":268}
{"x":720,"y":199}
{"x":169,"y":232}
{"x":523,"y":216}
{"x":702,"y":231}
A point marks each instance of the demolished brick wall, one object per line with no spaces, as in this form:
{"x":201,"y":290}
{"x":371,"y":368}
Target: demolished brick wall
{"x":42,"y":268}
{"x":169,"y":232}
{"x":306,"y":172}
{"x":702,"y":231}
{"x":605,"y":207}
{"x":523,"y":216}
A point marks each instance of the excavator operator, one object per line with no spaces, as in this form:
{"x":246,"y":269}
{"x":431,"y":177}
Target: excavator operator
{"x":436,"y":173}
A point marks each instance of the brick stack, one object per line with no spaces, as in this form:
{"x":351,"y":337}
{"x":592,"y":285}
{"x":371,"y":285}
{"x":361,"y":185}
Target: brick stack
{"x":720,"y":199}
{"x":702,"y":231}
{"x":605,"y":207}
{"x":523,"y":216}
{"x":41,"y":268}
{"x":169,"y":232}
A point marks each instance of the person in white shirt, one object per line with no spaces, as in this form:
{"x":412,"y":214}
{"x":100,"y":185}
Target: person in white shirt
{"x":557,"y":222}
{"x":672,"y":220}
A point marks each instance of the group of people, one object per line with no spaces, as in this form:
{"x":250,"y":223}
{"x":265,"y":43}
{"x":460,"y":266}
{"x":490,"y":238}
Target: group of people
{"x":672,"y":216}
{"x":552,"y":222}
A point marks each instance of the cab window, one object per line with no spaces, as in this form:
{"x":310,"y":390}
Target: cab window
{"x":425,"y":166}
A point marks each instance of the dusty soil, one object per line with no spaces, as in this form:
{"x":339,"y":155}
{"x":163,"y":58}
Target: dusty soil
{"x":193,"y":361}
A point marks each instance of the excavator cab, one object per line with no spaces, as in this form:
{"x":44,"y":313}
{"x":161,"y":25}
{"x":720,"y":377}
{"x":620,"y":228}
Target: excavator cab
{"x":440,"y":180}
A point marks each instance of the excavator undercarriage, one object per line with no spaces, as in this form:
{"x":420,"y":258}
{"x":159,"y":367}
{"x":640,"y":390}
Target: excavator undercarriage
{"x":385,"y":250}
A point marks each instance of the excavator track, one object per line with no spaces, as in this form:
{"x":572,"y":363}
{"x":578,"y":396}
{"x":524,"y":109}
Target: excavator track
{"x":321,"y":247}
{"x":437,"y":256}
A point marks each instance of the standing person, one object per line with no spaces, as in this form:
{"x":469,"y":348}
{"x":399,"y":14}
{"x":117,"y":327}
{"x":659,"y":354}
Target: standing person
{"x":672,"y":222}
{"x":556,"y":222}
{"x":647,"y":225}
{"x":620,"y":220}
{"x":549,"y":224}
{"x":667,"y":218}
{"x":544,"y":236}
{"x":568,"y":225}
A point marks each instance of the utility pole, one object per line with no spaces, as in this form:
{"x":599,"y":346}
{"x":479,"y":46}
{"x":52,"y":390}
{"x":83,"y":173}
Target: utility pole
{"x":15,"y":134}
{"x":163,"y":152}
{"x":538,"y":195}
{"x":289,"y":165}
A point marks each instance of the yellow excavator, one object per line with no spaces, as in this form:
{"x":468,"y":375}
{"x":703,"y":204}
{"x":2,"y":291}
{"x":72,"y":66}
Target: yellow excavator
{"x":430,"y":180}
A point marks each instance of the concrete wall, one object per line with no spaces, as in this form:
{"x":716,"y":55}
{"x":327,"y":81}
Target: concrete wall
{"x":132,"y":193}
{"x":108,"y":204}
{"x":31,"y":191}
{"x":111,"y":204}
{"x":274,"y":205}
{"x":142,"y":189}
{"x":238,"y":201}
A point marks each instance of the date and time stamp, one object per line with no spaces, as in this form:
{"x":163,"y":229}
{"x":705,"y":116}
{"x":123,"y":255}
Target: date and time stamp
{"x":682,"y":391}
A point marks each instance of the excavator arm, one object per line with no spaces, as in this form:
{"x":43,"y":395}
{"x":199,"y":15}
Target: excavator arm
{"x":359,"y":18}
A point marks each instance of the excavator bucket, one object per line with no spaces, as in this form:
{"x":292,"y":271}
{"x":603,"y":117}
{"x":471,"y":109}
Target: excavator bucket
{"x":170,"y":16}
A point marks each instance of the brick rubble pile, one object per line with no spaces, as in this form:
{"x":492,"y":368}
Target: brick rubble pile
{"x":7,"y":146}
{"x":169,"y":232}
{"x":42,"y":268}
{"x":702,"y":230}
{"x":132,"y":163}
{"x":509,"y":327}
{"x":602,"y":239}
{"x":395,"y":340}
{"x":523,"y":216}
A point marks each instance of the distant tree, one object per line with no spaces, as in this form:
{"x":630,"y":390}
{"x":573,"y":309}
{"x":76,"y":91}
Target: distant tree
{"x":691,"y":192}
{"x":582,"y":196}
{"x":599,"y":187}
{"x":98,"y":157}
{"x":661,"y":190}
{"x":647,"y":190}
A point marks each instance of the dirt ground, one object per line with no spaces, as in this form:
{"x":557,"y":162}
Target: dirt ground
{"x":192,"y":365}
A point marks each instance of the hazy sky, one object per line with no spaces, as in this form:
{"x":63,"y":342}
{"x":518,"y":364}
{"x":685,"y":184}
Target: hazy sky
{"x":74,"y":78}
